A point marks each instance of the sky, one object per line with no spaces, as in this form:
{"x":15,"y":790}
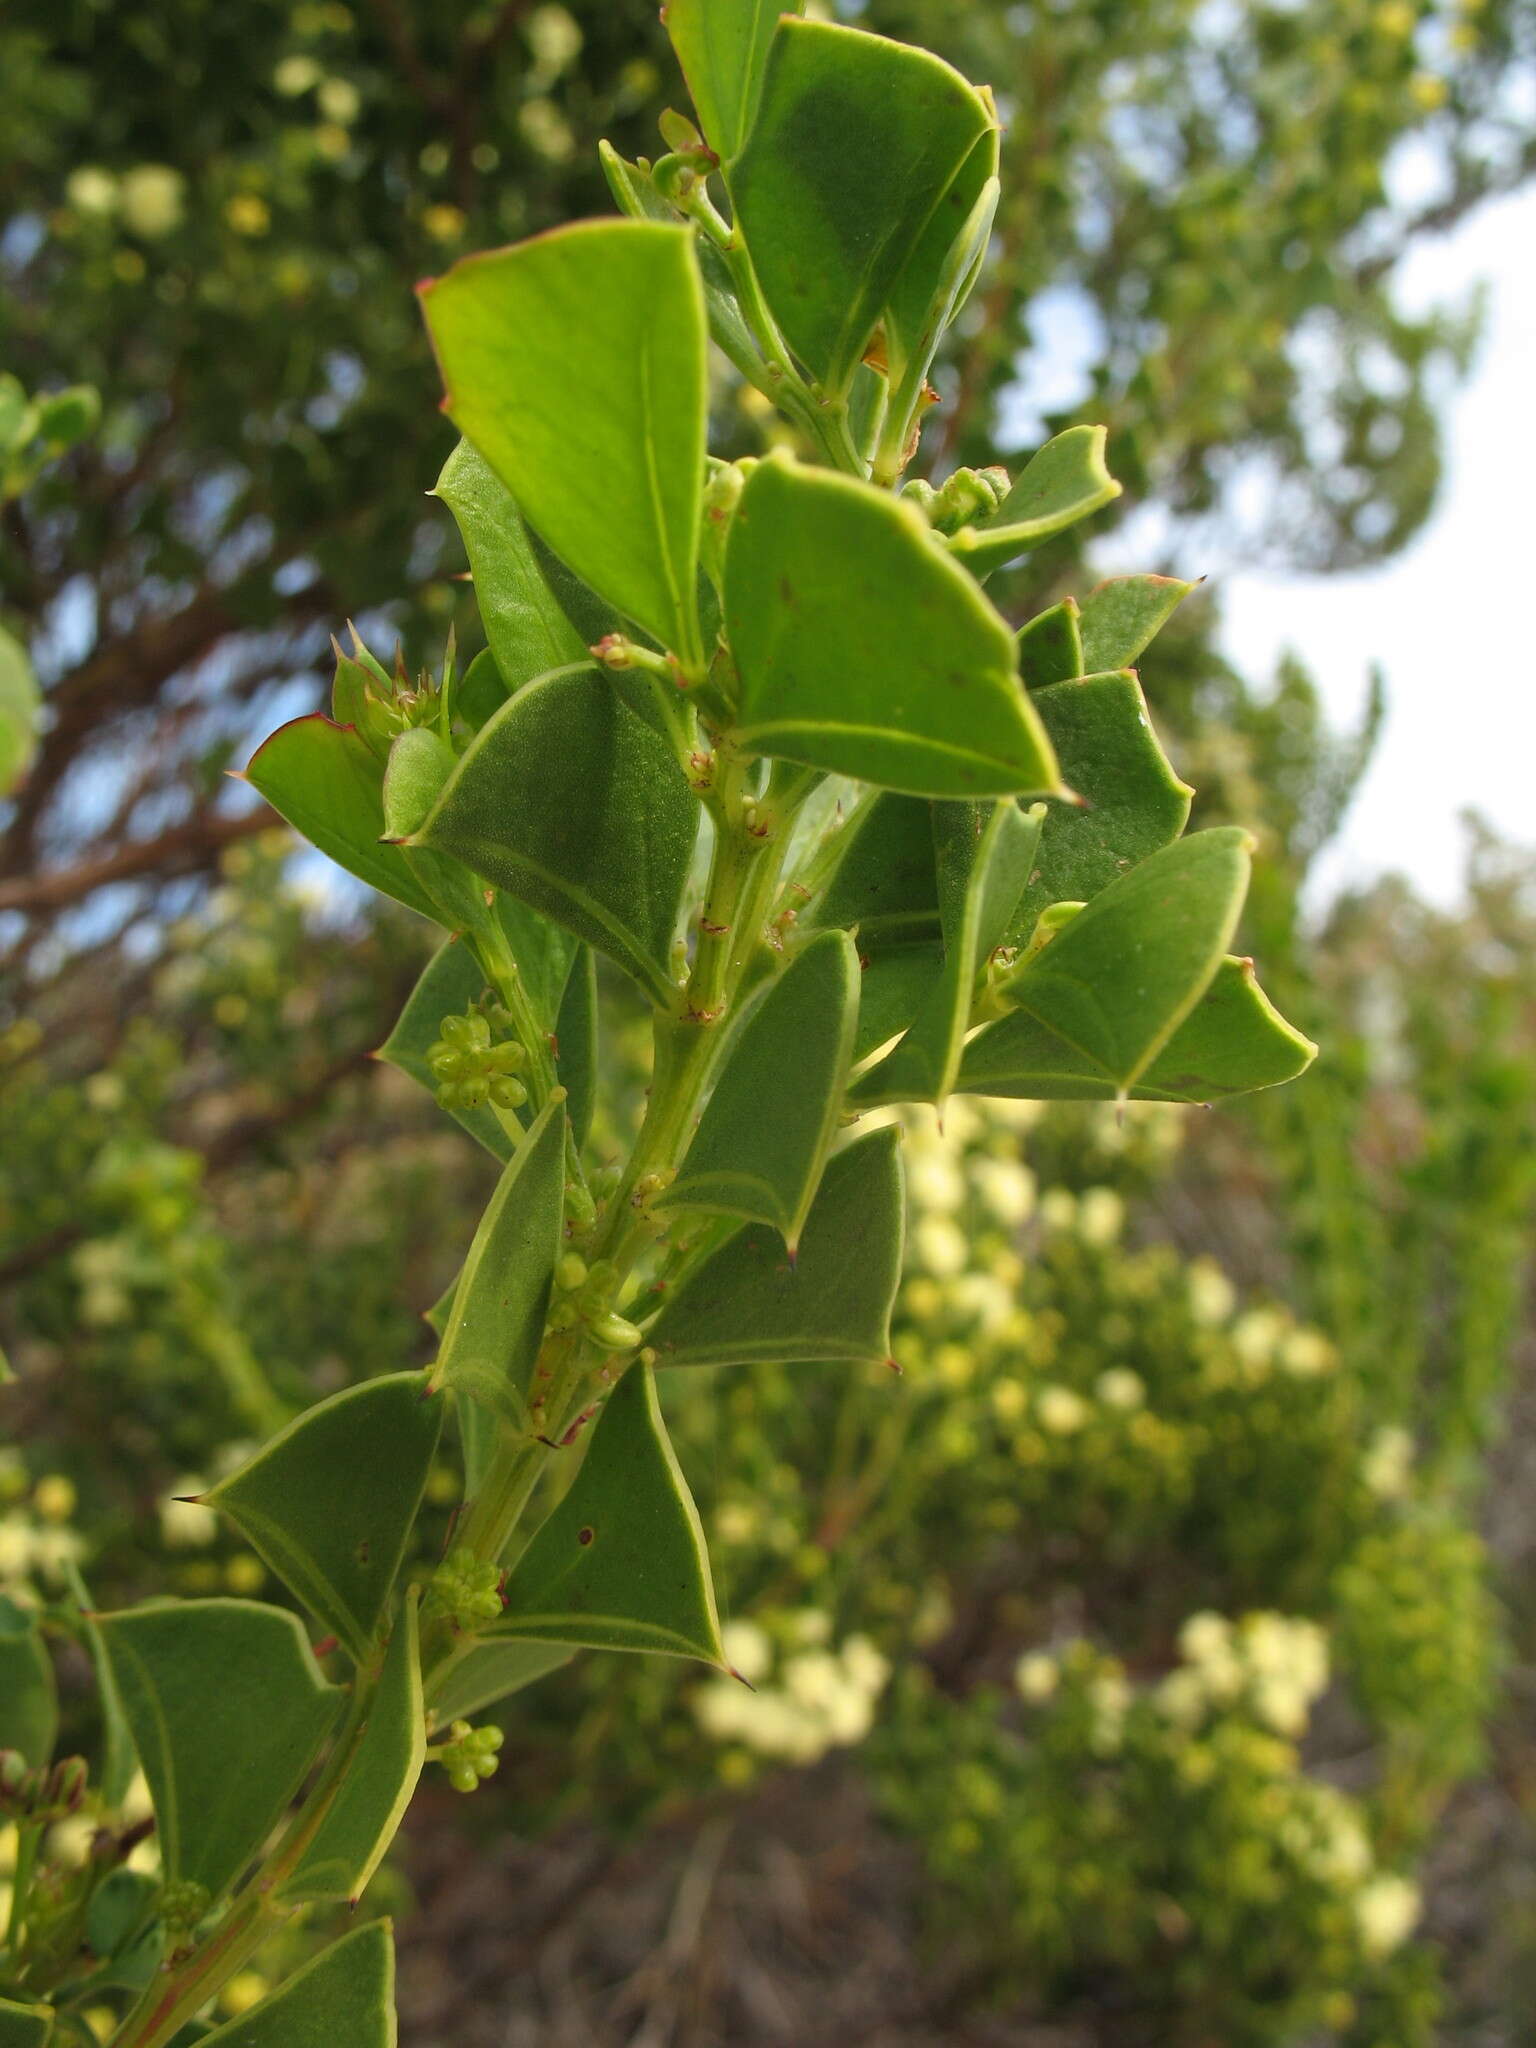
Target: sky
{"x":1442,"y":618}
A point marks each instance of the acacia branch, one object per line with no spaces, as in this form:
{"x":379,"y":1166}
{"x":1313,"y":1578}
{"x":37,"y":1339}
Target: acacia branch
{"x":187,"y":845}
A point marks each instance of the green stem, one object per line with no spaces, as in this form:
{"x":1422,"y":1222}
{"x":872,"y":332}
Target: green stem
{"x":500,"y":968}
{"x":824,"y":420}
{"x":29,"y":1835}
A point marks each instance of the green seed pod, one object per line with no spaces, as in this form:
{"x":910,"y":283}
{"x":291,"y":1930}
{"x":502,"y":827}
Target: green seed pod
{"x":506,"y":1091}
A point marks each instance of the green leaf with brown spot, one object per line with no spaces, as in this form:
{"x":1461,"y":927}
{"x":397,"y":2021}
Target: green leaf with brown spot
{"x":621,"y":1562}
{"x":330,"y":1502}
{"x":862,"y":648}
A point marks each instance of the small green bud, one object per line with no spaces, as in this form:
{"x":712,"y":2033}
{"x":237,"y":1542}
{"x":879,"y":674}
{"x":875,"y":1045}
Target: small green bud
{"x":678,"y":132}
{"x":66,"y":1785}
{"x":420,"y":762}
{"x":18,"y":1782}
{"x":466,"y":1590}
{"x":570,"y":1271}
{"x":469,"y":1754}
{"x":580,"y":1209}
{"x":614,"y":1333}
{"x":469,"y":1033}
{"x":1053,"y":919}
{"x":722,"y":494}
{"x":965,"y":495}
{"x":506,"y":1091}
{"x":183,"y":1904}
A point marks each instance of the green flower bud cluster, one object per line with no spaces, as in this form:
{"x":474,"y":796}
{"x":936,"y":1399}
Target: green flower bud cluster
{"x":586,"y":1296}
{"x":466,"y":1590}
{"x":183,"y":1904}
{"x":469,"y":1756}
{"x":42,"y":1793}
{"x":471,"y":1068}
{"x":965,"y":496}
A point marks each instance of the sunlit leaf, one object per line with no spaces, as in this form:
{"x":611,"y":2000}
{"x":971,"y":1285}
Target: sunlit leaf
{"x":1065,"y":482}
{"x":763,"y":1138}
{"x":749,"y":1303}
{"x":575,"y":363}
{"x":327,"y":783}
{"x":621,"y":1563}
{"x":330,"y":1502}
{"x":863,"y":649}
{"x":858,"y":142}
{"x":218,"y":1779}
{"x":1123,"y":615}
{"x":21,"y":704}
{"x":722,"y":46}
{"x":635,"y":192}
{"x":529,"y":633}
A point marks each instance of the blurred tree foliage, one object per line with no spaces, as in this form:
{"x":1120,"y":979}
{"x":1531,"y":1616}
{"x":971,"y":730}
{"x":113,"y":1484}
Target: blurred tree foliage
{"x":216,"y":218}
